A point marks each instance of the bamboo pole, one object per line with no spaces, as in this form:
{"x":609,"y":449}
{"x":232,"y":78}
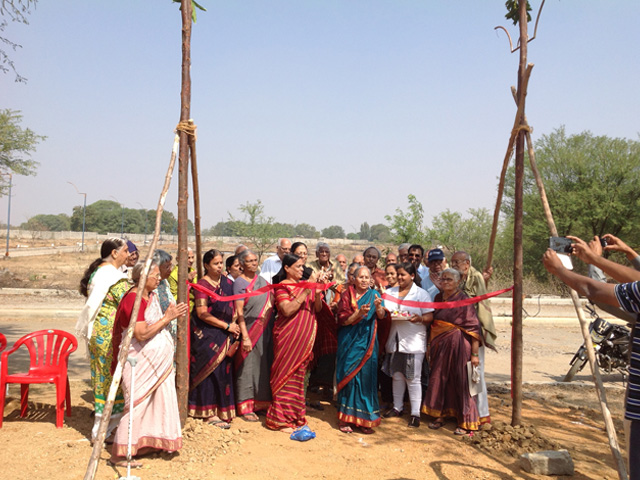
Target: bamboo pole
{"x":196,"y":201}
{"x":126,"y":339}
{"x":182,"y":359}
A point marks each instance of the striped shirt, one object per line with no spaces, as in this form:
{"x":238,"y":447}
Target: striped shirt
{"x":628,"y":295}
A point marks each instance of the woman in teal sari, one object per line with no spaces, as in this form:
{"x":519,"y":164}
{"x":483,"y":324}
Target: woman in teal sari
{"x":359,"y":311}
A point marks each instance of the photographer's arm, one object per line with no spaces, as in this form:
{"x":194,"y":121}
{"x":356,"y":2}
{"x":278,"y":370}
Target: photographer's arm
{"x":587,"y":287}
{"x":586,"y":253}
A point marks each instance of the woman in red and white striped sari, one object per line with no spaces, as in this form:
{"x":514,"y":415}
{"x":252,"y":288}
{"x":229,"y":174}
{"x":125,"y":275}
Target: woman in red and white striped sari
{"x":294,"y":334}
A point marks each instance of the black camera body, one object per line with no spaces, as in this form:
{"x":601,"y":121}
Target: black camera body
{"x":560,"y":245}
{"x":563,"y":244}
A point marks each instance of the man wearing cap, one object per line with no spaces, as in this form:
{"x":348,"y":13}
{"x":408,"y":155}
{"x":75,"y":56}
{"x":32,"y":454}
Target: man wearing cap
{"x":132,"y":259}
{"x":435,"y":262}
{"x":273,"y":264}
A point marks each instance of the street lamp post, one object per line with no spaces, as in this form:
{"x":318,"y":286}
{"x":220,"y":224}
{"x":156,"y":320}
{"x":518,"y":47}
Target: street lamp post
{"x":122,"y":225}
{"x":145,"y":222}
{"x":6,"y":253}
{"x":84,"y":212}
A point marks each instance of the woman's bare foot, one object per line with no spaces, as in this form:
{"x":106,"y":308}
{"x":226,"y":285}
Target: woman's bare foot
{"x":286,"y":430}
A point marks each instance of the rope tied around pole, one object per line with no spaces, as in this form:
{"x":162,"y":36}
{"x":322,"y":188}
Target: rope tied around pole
{"x":189,"y":128}
{"x":521,"y":127}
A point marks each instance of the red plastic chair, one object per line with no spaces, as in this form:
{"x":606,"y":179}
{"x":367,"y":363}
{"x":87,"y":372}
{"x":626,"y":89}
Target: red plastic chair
{"x":3,"y":342}
{"x":49,"y":351}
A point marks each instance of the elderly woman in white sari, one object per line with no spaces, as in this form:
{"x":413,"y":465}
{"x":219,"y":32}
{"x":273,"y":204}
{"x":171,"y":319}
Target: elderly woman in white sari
{"x":156,"y":420}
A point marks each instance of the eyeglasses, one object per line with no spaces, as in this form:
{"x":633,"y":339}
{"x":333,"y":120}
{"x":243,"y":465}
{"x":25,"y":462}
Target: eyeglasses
{"x":458,"y":262}
{"x":447,"y":279}
{"x":157,"y":276}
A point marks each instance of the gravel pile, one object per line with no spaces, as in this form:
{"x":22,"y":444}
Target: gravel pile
{"x":500,"y":437}
{"x":203,"y":442}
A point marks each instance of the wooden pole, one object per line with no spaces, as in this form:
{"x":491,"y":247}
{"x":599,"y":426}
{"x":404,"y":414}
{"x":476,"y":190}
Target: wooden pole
{"x":196,"y":201}
{"x":516,"y":329}
{"x":126,"y":340}
{"x":182,"y":360}
{"x":505,"y":165}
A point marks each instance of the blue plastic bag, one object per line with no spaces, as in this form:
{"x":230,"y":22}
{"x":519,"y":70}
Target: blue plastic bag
{"x":303,"y":434}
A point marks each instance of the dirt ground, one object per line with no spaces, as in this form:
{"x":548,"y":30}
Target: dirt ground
{"x":556,"y":415}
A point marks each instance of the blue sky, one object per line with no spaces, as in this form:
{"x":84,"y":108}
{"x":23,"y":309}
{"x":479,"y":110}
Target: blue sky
{"x":330,"y":112}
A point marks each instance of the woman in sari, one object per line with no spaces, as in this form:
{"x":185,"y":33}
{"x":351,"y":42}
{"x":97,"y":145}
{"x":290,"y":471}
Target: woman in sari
{"x":359,"y":311}
{"x":253,"y":360}
{"x":104,"y":285}
{"x":156,"y":420}
{"x":213,"y":331}
{"x":455,"y":338}
{"x":294,"y":334}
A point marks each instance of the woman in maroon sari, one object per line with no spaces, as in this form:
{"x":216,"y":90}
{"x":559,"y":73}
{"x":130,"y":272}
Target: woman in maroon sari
{"x":213,"y":328}
{"x":294,"y":334}
{"x":455,"y":338}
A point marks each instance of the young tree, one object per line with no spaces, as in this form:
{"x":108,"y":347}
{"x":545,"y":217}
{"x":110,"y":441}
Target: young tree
{"x":16,"y":145}
{"x":455,"y":232}
{"x":407,"y":227}
{"x":256,"y":226}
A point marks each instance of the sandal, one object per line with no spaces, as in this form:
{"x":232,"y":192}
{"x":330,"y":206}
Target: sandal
{"x":315,"y":405}
{"x":436,"y":425}
{"x":345,"y":428}
{"x":367,"y":430}
{"x":220,"y":424}
{"x":461,"y":431}
{"x":250,"y":417}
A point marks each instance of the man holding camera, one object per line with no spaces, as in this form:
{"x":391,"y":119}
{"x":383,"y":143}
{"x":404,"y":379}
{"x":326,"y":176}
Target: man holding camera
{"x":625,"y":295}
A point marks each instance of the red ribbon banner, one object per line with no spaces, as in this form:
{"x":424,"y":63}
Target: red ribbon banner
{"x":313,"y":286}
{"x":442,"y":305}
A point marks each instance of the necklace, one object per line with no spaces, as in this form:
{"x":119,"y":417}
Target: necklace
{"x":212,"y":281}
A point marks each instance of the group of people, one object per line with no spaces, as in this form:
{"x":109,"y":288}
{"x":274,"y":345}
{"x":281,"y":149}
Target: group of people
{"x":362,"y":330}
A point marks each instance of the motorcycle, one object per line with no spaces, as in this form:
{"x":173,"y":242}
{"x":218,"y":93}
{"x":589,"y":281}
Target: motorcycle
{"x":611,"y":345}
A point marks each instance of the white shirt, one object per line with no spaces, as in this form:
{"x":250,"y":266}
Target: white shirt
{"x":423,"y":271}
{"x":270,"y":267}
{"x":405,"y":336}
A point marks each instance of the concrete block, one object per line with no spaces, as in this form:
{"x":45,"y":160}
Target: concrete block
{"x":547,"y":462}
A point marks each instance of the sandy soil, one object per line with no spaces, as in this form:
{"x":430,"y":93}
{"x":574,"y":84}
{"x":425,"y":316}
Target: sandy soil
{"x":564,"y":416}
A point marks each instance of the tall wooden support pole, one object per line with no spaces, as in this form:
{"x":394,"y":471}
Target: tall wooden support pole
{"x":516,"y":330}
{"x":182,"y":359}
{"x":196,"y":201}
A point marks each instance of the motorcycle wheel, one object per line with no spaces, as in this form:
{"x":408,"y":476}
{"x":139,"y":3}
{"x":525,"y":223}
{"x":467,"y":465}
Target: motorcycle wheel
{"x":575,"y":368}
